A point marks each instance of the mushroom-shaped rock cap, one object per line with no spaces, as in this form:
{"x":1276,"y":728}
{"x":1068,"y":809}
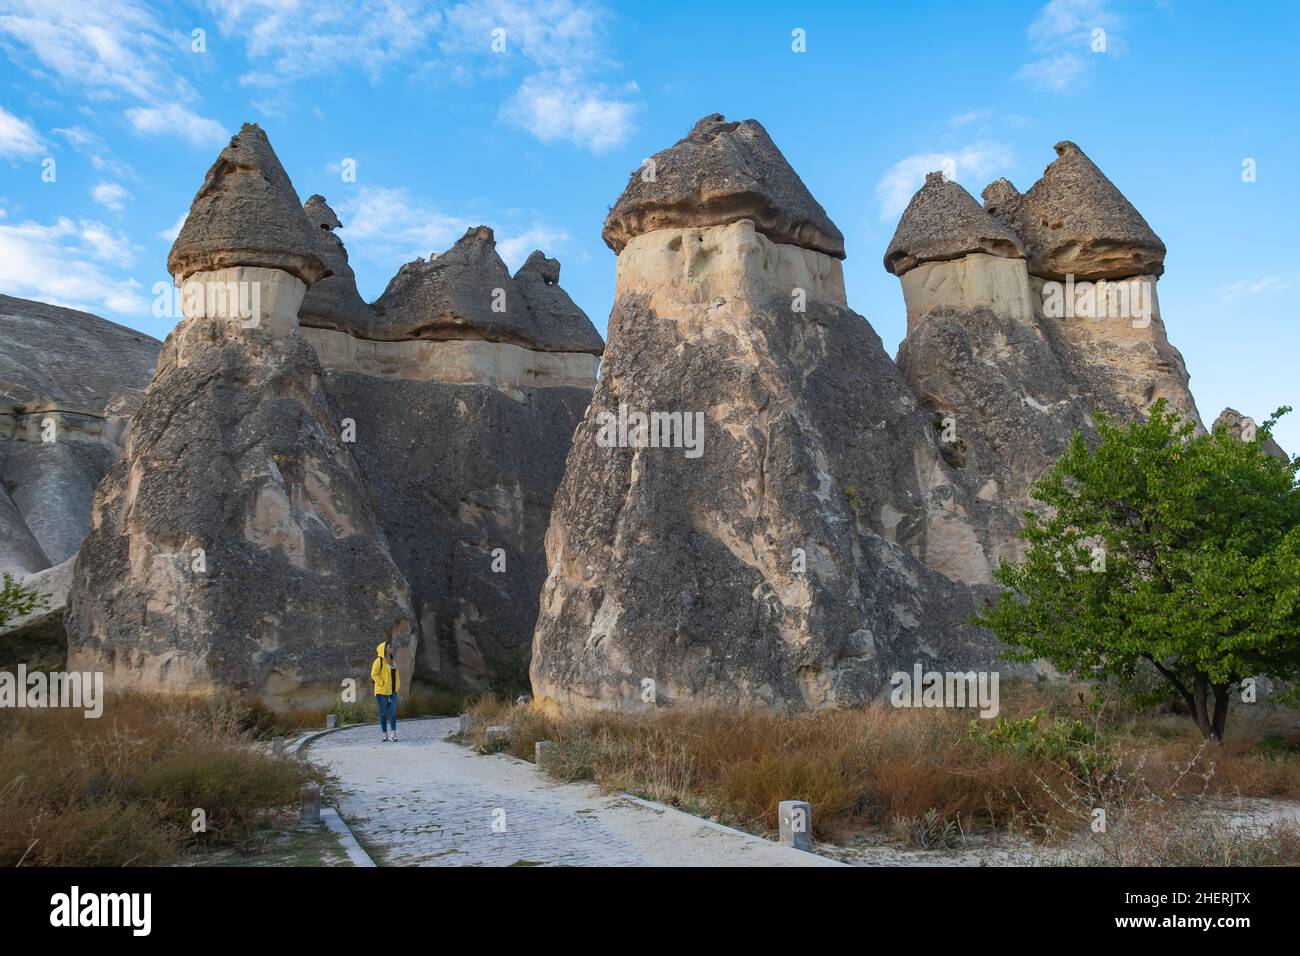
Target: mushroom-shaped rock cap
{"x":1075,"y":222}
{"x":943,"y":221}
{"x":721,"y":173}
{"x":247,"y":214}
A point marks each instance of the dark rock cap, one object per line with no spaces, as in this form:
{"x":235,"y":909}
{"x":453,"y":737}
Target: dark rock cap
{"x":1075,"y":221}
{"x":720,"y":173}
{"x":247,"y":214}
{"x":333,"y":302}
{"x":467,"y":293}
{"x":943,"y":221}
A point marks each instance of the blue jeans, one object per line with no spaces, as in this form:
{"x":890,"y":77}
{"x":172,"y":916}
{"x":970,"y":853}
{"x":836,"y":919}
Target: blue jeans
{"x":387,"y":711}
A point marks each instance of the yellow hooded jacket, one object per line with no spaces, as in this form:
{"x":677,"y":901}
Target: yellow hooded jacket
{"x":387,"y":678}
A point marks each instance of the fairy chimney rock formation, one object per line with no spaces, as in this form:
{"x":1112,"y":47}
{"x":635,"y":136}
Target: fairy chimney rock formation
{"x":748,"y":503}
{"x":234,"y":543}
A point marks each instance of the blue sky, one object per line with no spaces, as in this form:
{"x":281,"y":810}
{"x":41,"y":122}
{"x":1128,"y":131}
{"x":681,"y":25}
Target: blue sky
{"x":538,"y":140}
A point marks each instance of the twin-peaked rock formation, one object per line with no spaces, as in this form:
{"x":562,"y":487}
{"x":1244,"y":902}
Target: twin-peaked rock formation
{"x":290,"y":495}
{"x":1026,"y":317}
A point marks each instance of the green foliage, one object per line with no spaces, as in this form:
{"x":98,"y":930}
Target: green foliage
{"x":1069,"y":744}
{"x":1162,"y":545}
{"x":17,"y":600}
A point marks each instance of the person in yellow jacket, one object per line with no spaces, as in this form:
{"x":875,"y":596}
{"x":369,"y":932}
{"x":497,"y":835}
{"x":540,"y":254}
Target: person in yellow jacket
{"x":387,"y":683}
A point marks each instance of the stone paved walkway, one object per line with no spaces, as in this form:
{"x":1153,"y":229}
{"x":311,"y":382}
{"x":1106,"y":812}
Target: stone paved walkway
{"x":424,"y":801}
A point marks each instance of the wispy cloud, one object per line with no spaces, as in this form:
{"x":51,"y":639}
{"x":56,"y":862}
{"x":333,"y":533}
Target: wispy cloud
{"x":973,"y":116}
{"x":113,"y":50}
{"x":295,"y":41}
{"x":176,"y":120}
{"x":64,"y":263}
{"x":1063,"y":44}
{"x":972,"y":165}
{"x":174,"y":230}
{"x":18,"y":138}
{"x":1247,"y":287}
{"x":110,"y":195}
{"x":567,"y":96}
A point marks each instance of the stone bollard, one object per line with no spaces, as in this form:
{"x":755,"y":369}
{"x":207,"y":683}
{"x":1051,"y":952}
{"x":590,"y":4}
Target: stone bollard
{"x":277,"y":746}
{"x":541,"y":749}
{"x":464,"y":724}
{"x":496,"y":733}
{"x":331,"y":721}
{"x":796,"y":824}
{"x":311,"y":804}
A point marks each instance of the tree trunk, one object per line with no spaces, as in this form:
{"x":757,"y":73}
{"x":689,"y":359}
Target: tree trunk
{"x":1199,"y":709}
{"x":1220,"y":710}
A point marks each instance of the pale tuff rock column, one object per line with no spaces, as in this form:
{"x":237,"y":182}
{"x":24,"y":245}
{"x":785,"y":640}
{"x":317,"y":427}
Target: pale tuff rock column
{"x":234,"y":544}
{"x":741,"y":506}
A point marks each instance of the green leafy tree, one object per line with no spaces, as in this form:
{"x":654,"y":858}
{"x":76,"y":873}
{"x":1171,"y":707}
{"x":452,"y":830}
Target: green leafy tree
{"x":17,"y":600}
{"x":1161,"y":545}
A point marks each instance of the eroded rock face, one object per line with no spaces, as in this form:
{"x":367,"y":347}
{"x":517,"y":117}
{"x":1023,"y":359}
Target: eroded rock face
{"x":234,"y":543}
{"x":777,"y":561}
{"x":719,"y":173}
{"x":69,"y":383}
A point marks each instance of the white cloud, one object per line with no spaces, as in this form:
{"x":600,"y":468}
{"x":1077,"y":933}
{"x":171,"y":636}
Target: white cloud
{"x":111,"y":49}
{"x":176,"y":120}
{"x":1252,"y":287}
{"x":110,"y":195}
{"x":514,"y":249}
{"x":972,"y":165}
{"x":554,"y":106}
{"x":1061,"y":38}
{"x":62,"y":263}
{"x":18,"y":139}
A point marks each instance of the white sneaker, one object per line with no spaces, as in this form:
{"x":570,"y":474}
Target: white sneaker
{"x":394,"y":737}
